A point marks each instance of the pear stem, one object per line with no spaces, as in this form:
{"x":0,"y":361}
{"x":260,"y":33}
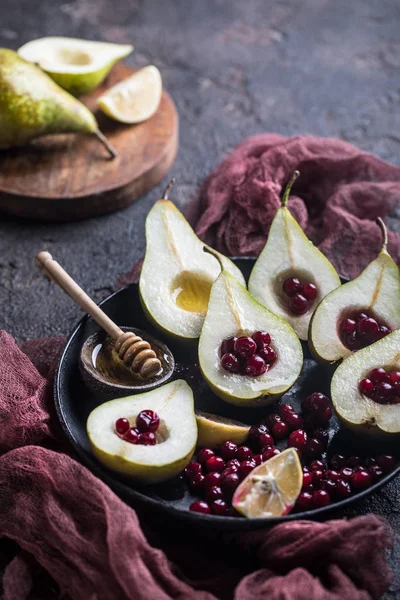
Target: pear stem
{"x":289,"y":187}
{"x":383,"y":229}
{"x":168,"y":189}
{"x":215,"y":255}
{"x":106,"y":143}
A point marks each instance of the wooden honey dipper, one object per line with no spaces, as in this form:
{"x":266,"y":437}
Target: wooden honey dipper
{"x":132,"y":349}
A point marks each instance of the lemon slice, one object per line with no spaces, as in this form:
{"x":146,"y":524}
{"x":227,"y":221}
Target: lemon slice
{"x":214,"y":430}
{"x":135,"y":99}
{"x":271,"y":489}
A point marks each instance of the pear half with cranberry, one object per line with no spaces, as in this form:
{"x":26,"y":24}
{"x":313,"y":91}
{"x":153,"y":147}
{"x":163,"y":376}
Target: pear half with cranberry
{"x":359,"y":312}
{"x":291,"y":276}
{"x":176,"y":277}
{"x":176,"y":435}
{"x":372,"y":372}
{"x":234,"y":313}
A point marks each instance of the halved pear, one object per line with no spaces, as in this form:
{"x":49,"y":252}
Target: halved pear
{"x":176,"y":436}
{"x":176,"y":277}
{"x":232,"y":311}
{"x":289,"y":253}
{"x":356,"y":410}
{"x":78,"y":66}
{"x":376,"y":290}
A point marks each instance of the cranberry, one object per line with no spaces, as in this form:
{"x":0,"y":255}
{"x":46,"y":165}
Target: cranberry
{"x":314,"y":448}
{"x":307,"y":480}
{"x":298,"y":439}
{"x":230,"y":363}
{"x":243,"y":453}
{"x":147,"y":439}
{"x":361,"y":316}
{"x":121,"y":426}
{"x":258,"y":459}
{"x":193,"y":467}
{"x":147,"y":420}
{"x":317,"y":477}
{"x":261,"y":338}
{"x":338,"y":461}
{"x":325,"y":416}
{"x":255,"y":366}
{"x":233,"y":463}
{"x":368,"y":329}
{"x":265,"y":439}
{"x":361,"y":480}
{"x":291,"y":286}
{"x":383,"y":330}
{"x":204,"y":454}
{"x":245,"y":347}
{"x":228,"y":345}
{"x":386,"y":462}
{"x":228,"y":450}
{"x":229,"y":483}
{"x":328,"y":486}
{"x":196,"y":482}
{"x":212,"y":480}
{"x":383,"y":392}
{"x":280,"y":430}
{"x":343,"y":489}
{"x":352,"y":341}
{"x":215,"y":463}
{"x":371,"y":461}
{"x":201,"y":507}
{"x":294,"y":421}
{"x":298,"y":304}
{"x":256,"y":431}
{"x":304,"y":501}
{"x":310,"y":422}
{"x":285,"y":410}
{"x":246,"y":467}
{"x":132,"y":436}
{"x":309,"y":291}
{"x":315,"y":402}
{"x":272,"y":419}
{"x":320,"y":499}
{"x":229,"y":470}
{"x":354,"y":461}
{"x":346,"y":474}
{"x":347,"y":326}
{"x":378,"y":375}
{"x":322,"y":435}
{"x":213,"y":493}
{"x":270,"y":453}
{"x":316,"y":465}
{"x":394,"y":377}
{"x":376,"y":473}
{"x":366,"y":387}
{"x":268,"y":354}
{"x":332,"y":475}
{"x":220,"y":507}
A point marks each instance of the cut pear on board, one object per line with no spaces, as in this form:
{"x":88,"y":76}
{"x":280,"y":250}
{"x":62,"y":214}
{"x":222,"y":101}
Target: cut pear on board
{"x":78,"y":66}
{"x":232,"y":311}
{"x":214,"y":430}
{"x":289,"y":253}
{"x":176,"y":277}
{"x":376,"y":290}
{"x":134,"y":99}
{"x":358,"y":412}
{"x":176,"y":436}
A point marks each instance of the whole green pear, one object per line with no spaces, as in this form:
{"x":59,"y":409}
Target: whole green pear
{"x":33,"y":105}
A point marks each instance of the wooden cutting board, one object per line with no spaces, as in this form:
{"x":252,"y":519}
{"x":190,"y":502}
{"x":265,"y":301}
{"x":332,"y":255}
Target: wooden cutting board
{"x":70,"y":177}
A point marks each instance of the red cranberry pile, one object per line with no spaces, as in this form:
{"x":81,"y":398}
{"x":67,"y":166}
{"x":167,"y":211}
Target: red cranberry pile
{"x":215,"y":475}
{"x":300,"y":295}
{"x":381,"y":386}
{"x":248,"y":355}
{"x":361,"y":330}
{"x":147,"y":423}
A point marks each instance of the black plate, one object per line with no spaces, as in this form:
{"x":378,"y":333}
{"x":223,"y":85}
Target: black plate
{"x":74,"y":403}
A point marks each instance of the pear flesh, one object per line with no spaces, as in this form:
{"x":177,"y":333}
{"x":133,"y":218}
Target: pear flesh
{"x":289,"y":253}
{"x":356,"y":410}
{"x":376,"y":290}
{"x":177,"y":434}
{"x":177,"y":276}
{"x":232,"y":311}
{"x":78,"y":66}
{"x":33,"y":105}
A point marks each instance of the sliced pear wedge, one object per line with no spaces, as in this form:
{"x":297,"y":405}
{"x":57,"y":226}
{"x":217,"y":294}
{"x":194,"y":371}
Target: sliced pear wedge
{"x":176,"y":277}
{"x":272,"y":488}
{"x":356,"y":410}
{"x":289,"y":253}
{"x":78,"y":66}
{"x":135,"y":99}
{"x":232,"y":311}
{"x":176,"y":436}
{"x":376,"y":290}
{"x":214,"y":430}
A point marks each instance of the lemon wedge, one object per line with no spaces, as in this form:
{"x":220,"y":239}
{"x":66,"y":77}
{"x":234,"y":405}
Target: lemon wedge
{"x":214,"y":430}
{"x":271,"y":489}
{"x":135,"y":99}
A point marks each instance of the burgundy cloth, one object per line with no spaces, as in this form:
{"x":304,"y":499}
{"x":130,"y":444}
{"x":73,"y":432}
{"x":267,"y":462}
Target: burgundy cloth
{"x":78,"y":540}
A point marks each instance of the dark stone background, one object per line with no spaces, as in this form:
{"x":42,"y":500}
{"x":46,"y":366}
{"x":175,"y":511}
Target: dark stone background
{"x":234,"y":68}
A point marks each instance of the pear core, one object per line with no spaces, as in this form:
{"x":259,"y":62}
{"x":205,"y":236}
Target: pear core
{"x":69,"y":57}
{"x":191,"y":292}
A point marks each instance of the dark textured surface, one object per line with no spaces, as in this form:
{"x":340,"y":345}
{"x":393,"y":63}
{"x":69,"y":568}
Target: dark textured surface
{"x":233,"y":68}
